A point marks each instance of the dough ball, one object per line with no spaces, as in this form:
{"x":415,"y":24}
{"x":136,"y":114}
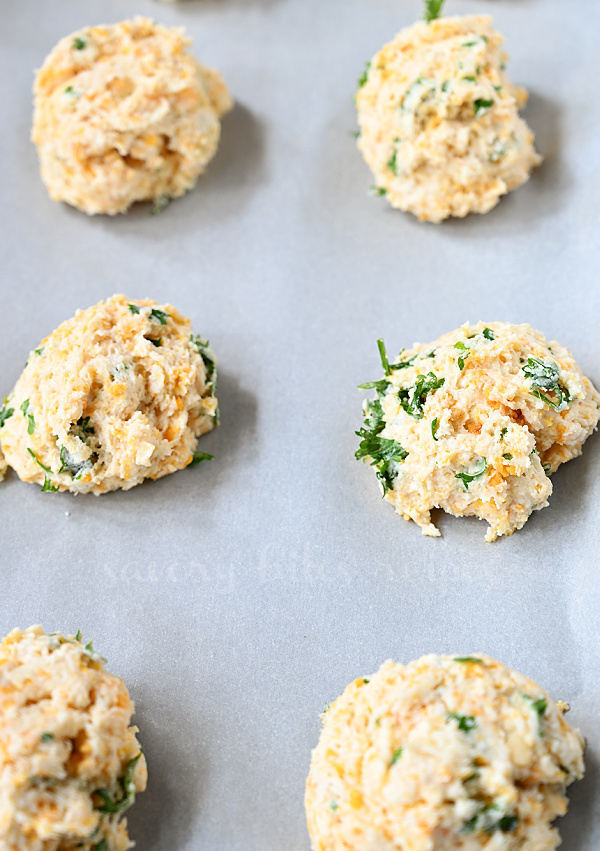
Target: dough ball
{"x":439,"y":120}
{"x":124,"y":113}
{"x":441,"y":754}
{"x":70,"y":763}
{"x":117,"y":394}
{"x":475,"y":423}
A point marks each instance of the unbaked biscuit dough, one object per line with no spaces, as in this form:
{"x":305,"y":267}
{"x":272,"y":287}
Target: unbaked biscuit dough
{"x":475,"y":423}
{"x":117,"y":394}
{"x":124,"y":113}
{"x":439,"y":121}
{"x":444,"y":753}
{"x":70,"y":763}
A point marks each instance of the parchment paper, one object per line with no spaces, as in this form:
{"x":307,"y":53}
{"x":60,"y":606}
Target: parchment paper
{"x":237,"y":597}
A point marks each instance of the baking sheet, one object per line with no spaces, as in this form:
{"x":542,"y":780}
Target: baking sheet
{"x":237,"y":597}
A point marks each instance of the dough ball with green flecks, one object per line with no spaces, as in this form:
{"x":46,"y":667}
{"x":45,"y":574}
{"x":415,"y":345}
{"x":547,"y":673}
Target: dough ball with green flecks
{"x":70,"y":762}
{"x":125,"y":113}
{"x":444,"y":753}
{"x":117,"y":394}
{"x":439,"y":120}
{"x":475,"y":423}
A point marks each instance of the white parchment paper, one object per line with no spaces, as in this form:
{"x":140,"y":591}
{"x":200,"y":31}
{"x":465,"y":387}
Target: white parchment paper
{"x":236,"y":598}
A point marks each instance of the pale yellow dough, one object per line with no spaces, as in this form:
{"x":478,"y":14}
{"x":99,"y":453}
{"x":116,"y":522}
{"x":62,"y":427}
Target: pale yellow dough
{"x":441,"y":755}
{"x":439,"y":120}
{"x":117,"y":394}
{"x":124,"y":113}
{"x":64,"y":734}
{"x":487,"y":420}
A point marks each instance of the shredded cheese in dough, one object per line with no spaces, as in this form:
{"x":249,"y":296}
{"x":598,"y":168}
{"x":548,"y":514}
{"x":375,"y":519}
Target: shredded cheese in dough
{"x":439,"y":120}
{"x":117,"y":394}
{"x":70,"y":762}
{"x":444,"y":753}
{"x":124,"y":113}
{"x":475,"y":423}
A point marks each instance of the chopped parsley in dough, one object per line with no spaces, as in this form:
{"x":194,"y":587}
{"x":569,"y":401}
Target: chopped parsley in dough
{"x":124,"y":113}
{"x":444,"y":753}
{"x":439,"y":121}
{"x":70,"y":763}
{"x":117,"y":394}
{"x":475,"y":423}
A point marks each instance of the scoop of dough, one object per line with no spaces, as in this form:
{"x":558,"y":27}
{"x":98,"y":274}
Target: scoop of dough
{"x":124,"y":113}
{"x":475,"y":422}
{"x":441,"y":754}
{"x":117,"y":394}
{"x":70,"y":763}
{"x":439,"y":120}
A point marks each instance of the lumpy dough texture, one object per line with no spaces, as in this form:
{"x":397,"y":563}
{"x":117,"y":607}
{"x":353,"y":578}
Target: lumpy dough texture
{"x":439,"y":122}
{"x":475,"y":423}
{"x":68,"y":755}
{"x":442,"y":754}
{"x":117,"y":394}
{"x":124,"y":113}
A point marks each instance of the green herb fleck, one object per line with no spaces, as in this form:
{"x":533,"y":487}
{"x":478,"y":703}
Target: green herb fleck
{"x":78,"y":635}
{"x":466,"y":723}
{"x":488,"y":334}
{"x":354,"y":133}
{"x":198,"y":457}
{"x":467,"y":478}
{"x":133,"y":308}
{"x":383,"y":355}
{"x":392,"y":162}
{"x":469,"y":79}
{"x":364,"y":76}
{"x":38,"y":352}
{"x":159,"y":204}
{"x":481,"y":106}
{"x":326,"y":708}
{"x":30,"y":419}
{"x":82,"y":429}
{"x":413,"y":398}
{"x":385,"y":454}
{"x":37,"y":461}
{"x":366,"y":681}
{"x":462,"y":358}
{"x":539,"y":707}
{"x":333,"y":805}
{"x":160,"y":315}
{"x":72,"y":465}
{"x":396,"y":756}
{"x":48,"y":487}
{"x":433,"y":9}
{"x":546,"y":376}
{"x":488,"y":821}
{"x":127,"y":797}
{"x":378,"y":191}
{"x":503,"y":432}
{"x":434,"y":427}
{"x":101,"y":846}
{"x":157,"y":343}
{"x":5,"y":412}
{"x":468,"y":659}
{"x":546,"y":468}
{"x":79,"y":43}
{"x":47,"y":737}
{"x":507,"y":456}
{"x":498,"y":89}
